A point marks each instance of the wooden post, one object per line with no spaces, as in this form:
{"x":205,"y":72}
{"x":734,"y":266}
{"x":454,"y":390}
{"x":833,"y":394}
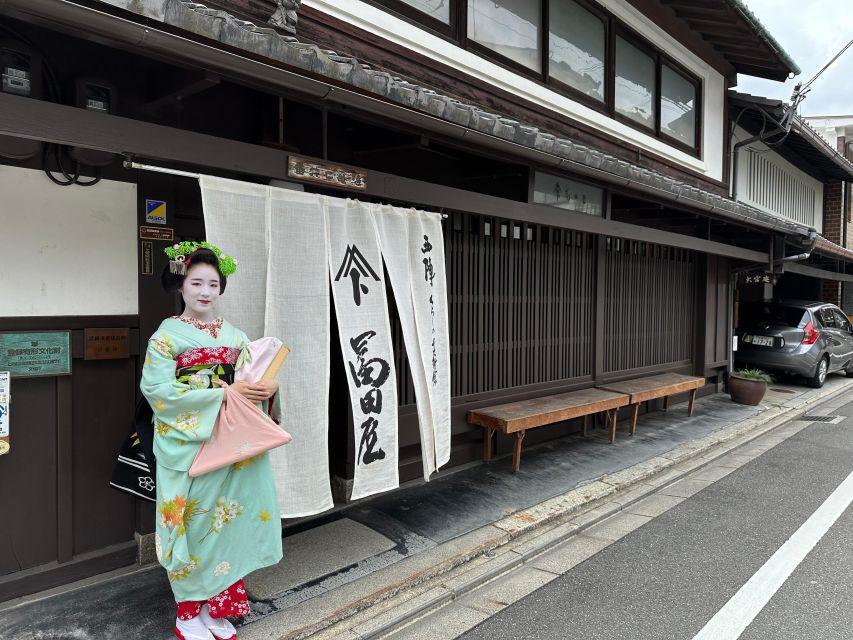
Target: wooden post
{"x":584,"y":424}
{"x":613,"y":425}
{"x":691,"y":397}
{"x":516,"y":451}
{"x":635,"y":411}
{"x":487,"y":445}
{"x":665,"y":403}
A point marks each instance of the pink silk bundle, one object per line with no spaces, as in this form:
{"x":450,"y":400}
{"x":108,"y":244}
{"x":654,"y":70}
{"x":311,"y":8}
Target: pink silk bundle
{"x":241,"y":431}
{"x":262,"y":354}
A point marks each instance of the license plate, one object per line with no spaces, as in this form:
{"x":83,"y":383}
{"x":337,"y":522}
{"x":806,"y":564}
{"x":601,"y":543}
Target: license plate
{"x":761,"y":341}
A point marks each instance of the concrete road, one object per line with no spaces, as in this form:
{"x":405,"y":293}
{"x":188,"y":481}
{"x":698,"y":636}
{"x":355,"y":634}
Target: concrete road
{"x":756,"y":548}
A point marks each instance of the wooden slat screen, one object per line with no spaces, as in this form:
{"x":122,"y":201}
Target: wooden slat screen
{"x":521,"y":305}
{"x":649,"y":305}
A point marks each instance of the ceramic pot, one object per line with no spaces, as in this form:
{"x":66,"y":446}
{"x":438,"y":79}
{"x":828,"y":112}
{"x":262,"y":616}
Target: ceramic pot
{"x":746,"y":391}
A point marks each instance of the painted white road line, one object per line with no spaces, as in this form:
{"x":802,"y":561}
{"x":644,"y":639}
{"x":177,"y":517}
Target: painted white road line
{"x":739,"y":612}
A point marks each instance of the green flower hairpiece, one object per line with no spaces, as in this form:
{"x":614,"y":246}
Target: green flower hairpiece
{"x":179,"y":253}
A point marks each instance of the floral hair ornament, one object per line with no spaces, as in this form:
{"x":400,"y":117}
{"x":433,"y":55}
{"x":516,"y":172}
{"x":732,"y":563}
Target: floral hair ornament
{"x":180,"y":256}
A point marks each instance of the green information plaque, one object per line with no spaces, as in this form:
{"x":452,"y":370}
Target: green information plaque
{"x":36,"y":354}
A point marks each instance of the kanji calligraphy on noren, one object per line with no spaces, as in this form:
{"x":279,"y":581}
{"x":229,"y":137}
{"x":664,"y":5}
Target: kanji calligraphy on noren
{"x":361,"y":307}
{"x":357,"y":269}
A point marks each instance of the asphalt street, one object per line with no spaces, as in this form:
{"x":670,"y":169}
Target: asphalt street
{"x":670,"y":577}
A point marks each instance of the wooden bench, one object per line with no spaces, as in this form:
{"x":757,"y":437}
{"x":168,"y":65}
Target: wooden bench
{"x":653,"y":387}
{"x":518,"y":417}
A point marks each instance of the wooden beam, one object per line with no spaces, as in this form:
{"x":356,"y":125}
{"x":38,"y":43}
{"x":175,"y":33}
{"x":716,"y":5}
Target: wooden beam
{"x":60,"y":124}
{"x":805,"y":270}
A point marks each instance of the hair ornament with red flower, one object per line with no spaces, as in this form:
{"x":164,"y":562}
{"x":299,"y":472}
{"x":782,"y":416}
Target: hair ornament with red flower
{"x":180,"y":257}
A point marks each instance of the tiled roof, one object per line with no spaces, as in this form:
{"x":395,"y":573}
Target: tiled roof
{"x":221,"y":26}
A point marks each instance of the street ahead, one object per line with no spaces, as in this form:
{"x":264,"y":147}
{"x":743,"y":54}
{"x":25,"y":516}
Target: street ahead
{"x":714,"y":566}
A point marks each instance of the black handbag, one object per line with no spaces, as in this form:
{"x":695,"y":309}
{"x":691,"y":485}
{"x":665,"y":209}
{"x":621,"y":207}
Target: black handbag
{"x":135,"y":468}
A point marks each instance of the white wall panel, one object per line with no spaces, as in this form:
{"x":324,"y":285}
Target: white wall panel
{"x":66,"y":250}
{"x":766,"y":181}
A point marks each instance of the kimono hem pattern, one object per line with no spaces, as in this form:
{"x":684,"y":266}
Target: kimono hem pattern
{"x":214,"y":529}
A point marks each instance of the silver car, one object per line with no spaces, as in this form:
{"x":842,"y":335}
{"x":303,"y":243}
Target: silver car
{"x":810,"y":339}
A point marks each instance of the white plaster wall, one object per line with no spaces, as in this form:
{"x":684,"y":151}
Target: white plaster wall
{"x":66,"y":250}
{"x":783,"y":165}
{"x":389,"y":27}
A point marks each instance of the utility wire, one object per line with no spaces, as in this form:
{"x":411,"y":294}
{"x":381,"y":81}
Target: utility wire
{"x":800,"y":90}
{"x":826,"y":66}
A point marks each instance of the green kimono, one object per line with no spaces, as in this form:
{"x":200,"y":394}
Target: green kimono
{"x":214,"y":529}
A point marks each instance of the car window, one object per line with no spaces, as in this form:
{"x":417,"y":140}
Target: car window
{"x":827,"y":317}
{"x":841,"y":319}
{"x":753,"y":314}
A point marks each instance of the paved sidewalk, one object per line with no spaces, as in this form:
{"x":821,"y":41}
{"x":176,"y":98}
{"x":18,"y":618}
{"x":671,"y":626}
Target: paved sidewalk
{"x":346,"y":573}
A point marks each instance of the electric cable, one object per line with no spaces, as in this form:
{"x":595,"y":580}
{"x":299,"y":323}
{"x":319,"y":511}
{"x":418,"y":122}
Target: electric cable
{"x":54,"y":90}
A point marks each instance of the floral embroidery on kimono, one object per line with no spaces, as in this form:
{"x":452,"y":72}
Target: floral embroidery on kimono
{"x":211,"y":531}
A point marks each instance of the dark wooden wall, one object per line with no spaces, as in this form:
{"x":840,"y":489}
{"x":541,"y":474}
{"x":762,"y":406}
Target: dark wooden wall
{"x":62,"y":521}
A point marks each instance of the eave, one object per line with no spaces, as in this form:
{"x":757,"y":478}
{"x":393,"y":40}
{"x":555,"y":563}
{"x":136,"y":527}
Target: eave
{"x":737,"y":34}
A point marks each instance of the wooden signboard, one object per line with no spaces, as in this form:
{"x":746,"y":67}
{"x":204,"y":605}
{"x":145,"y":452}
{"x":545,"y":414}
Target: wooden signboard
{"x":106,"y":344}
{"x":166,"y":234}
{"x":333,"y":175}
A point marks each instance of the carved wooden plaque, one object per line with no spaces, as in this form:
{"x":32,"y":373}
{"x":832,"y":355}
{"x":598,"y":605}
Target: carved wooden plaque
{"x":106,"y":344}
{"x":324,"y":173}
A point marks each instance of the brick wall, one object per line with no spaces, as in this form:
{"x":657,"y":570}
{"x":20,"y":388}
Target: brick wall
{"x":832,"y":219}
{"x":832,"y":292}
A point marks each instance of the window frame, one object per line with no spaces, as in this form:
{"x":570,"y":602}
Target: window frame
{"x":457,"y":32}
{"x":568,"y":90}
{"x":697,"y":86}
{"x":418,"y":18}
{"x":490,"y":54}
{"x":628,"y":36}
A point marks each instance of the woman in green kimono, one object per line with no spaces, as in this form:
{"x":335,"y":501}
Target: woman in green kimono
{"x":214,"y":529}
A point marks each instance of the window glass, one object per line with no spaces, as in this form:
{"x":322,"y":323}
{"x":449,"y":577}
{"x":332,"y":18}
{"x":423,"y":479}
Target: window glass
{"x":576,"y":47}
{"x":753,"y":314}
{"x":567,"y":194}
{"x":827,"y":318}
{"x":841,"y":320}
{"x":508,"y":27}
{"x":677,"y":106}
{"x":438,"y":9}
{"x":635,"y":84}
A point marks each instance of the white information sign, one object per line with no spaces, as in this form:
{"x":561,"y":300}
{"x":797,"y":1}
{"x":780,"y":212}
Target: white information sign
{"x":4,"y":412}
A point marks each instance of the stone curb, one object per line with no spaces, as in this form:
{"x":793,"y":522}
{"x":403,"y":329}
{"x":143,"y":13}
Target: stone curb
{"x":582,"y":507}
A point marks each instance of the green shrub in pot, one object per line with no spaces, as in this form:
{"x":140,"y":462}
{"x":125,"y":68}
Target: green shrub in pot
{"x":748,"y":386}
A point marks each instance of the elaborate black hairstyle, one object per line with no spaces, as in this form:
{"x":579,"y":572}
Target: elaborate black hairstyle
{"x":173,"y":281}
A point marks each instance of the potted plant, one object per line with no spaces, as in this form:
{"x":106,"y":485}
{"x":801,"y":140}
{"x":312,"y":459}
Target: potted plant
{"x":748,"y":386}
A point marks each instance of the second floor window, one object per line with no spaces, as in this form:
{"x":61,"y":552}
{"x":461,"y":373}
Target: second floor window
{"x":437,"y":9}
{"x":578,"y":49}
{"x":635,"y":84}
{"x":510,"y":28}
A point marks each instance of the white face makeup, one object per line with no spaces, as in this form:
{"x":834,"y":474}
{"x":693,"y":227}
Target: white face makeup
{"x":200,"y":291}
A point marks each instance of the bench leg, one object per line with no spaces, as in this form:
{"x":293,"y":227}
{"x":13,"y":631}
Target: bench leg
{"x":584,"y":425}
{"x":691,"y":398}
{"x":487,"y":445}
{"x":635,"y":411}
{"x":613,"y":425}
{"x":516,"y":451}
{"x":665,"y":403}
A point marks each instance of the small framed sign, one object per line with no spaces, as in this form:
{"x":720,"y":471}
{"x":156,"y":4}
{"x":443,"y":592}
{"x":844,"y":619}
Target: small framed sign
{"x":36,"y":354}
{"x":333,"y":175}
{"x":157,"y":233}
{"x":106,"y":344}
{"x":5,"y":392}
{"x":155,"y":211}
{"x":147,"y":255}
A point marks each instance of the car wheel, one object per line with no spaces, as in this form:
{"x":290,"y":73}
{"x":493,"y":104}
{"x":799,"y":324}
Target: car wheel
{"x":819,"y":376}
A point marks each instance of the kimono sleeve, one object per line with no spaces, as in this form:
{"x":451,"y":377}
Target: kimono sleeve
{"x":182,"y":413}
